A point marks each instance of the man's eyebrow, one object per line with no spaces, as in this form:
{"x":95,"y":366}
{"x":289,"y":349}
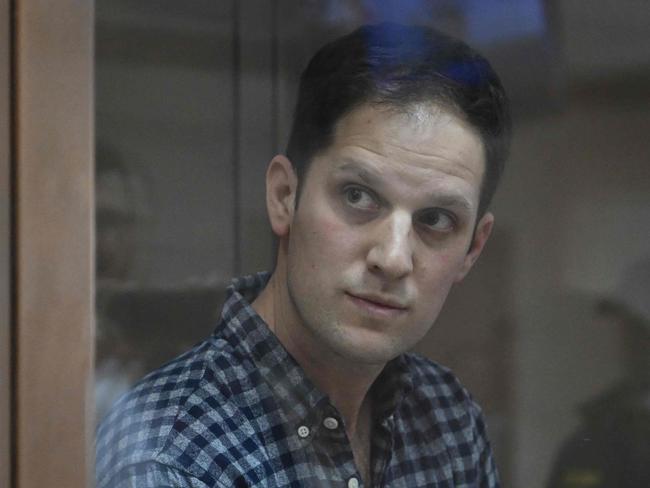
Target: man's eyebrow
{"x":457,"y":201}
{"x":437,"y":199}
{"x":361,"y":171}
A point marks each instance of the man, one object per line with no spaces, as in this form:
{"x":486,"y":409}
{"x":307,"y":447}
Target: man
{"x":379,"y":206}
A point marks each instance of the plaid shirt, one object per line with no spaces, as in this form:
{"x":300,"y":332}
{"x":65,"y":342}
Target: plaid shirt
{"x":238,"y":411}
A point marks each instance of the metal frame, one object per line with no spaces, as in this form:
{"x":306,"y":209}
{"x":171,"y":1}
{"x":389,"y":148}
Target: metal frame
{"x":5,"y":243}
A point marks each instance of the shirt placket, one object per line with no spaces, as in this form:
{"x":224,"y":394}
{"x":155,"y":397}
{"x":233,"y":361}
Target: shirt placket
{"x":382,"y":449}
{"x":332,"y":449}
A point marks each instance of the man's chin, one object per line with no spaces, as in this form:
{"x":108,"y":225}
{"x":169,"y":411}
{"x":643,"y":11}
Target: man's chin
{"x":369,"y":348}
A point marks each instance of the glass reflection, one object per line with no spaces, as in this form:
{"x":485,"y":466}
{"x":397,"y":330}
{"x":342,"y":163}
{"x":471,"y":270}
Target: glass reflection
{"x":178,"y":152}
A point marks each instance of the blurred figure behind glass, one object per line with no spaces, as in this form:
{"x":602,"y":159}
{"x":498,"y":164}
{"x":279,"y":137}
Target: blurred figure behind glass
{"x":118,"y":212}
{"x":611,"y":448}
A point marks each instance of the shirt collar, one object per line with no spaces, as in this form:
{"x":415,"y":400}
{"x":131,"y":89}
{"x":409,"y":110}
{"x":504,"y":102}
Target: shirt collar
{"x":299,"y":398}
{"x":391,"y":387}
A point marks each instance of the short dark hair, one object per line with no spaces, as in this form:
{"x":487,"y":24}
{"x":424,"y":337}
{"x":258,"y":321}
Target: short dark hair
{"x":399,"y":66}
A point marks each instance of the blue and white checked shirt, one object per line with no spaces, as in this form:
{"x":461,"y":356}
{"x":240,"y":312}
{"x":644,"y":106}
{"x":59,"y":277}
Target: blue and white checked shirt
{"x":238,"y":411}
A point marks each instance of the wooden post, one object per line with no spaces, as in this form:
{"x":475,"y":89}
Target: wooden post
{"x":54,"y":131}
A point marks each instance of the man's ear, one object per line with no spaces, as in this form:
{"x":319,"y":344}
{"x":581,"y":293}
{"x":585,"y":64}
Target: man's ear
{"x":281,"y":186}
{"x":483,"y":230}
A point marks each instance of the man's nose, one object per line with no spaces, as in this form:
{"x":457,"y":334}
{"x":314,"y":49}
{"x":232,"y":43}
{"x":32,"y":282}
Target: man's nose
{"x":391,"y":252}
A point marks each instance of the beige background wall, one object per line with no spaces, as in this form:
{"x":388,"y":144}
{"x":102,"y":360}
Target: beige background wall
{"x":577,"y":195}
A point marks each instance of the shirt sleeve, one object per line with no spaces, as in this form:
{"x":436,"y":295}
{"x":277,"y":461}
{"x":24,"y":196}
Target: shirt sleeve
{"x":154,"y":475}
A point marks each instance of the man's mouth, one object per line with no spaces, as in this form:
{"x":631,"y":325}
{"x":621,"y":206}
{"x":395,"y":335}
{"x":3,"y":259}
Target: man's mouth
{"x":377,"y":304}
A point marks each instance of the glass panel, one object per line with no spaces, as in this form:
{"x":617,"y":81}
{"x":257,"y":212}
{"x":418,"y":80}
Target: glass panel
{"x":550,"y":329}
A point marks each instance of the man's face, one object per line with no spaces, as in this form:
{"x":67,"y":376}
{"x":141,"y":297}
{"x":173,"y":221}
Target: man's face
{"x":383,"y":230}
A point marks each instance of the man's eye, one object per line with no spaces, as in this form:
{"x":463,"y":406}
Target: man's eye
{"x":438,"y":220}
{"x":360,"y":198}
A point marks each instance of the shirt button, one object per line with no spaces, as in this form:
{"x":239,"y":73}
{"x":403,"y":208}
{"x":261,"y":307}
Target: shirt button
{"x":353,"y":483}
{"x":330,"y":423}
{"x":303,"y":431}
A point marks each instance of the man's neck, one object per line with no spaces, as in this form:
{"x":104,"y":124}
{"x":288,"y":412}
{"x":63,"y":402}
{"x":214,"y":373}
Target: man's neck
{"x":347,"y":383}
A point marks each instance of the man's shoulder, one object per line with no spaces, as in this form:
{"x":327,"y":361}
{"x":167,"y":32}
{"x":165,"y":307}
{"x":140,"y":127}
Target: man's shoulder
{"x":438,"y":386}
{"x":429,"y":374}
{"x":440,"y":415}
{"x":170,"y":408}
